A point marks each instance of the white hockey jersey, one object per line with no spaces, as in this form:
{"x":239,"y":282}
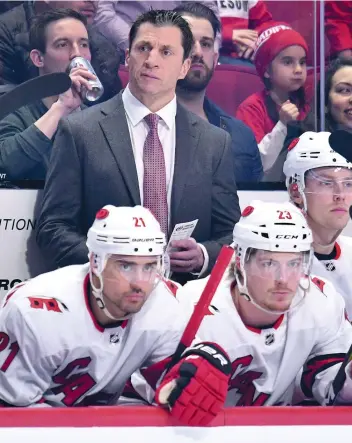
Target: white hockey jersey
{"x":336,"y":268}
{"x":266,"y":363}
{"x":53,"y":351}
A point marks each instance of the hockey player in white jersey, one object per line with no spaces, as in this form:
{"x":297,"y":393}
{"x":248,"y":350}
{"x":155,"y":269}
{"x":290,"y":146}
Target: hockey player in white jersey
{"x":73,"y":337}
{"x":272,"y":317}
{"x":319,"y":181}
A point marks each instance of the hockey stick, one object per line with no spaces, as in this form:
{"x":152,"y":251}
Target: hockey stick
{"x":340,"y":378}
{"x":201,"y":307}
{"x":33,"y":90}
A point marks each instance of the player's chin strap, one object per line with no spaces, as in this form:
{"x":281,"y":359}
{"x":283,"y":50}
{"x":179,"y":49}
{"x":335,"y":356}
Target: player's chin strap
{"x":99,"y":296}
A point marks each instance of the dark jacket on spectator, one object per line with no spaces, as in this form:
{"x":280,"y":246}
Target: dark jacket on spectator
{"x":24,"y":149}
{"x":15,"y":63}
{"x":248,"y":165}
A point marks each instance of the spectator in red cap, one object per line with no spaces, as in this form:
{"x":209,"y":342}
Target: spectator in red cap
{"x":280,"y":59}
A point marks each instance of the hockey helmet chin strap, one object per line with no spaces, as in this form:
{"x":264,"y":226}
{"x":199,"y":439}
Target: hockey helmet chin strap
{"x":99,"y":296}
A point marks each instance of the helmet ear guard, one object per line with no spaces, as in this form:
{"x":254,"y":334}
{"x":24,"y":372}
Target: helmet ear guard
{"x":294,"y":187}
{"x":97,"y":262}
{"x":296,"y":193}
{"x":240,"y":275}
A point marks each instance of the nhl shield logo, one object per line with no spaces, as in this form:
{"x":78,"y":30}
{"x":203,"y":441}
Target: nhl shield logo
{"x":269,"y":339}
{"x":330,"y":266}
{"x":114,"y":338}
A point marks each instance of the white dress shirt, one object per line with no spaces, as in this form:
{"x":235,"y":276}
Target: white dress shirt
{"x":138,"y":129}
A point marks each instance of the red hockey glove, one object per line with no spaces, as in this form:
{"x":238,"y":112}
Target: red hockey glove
{"x":195,"y":388}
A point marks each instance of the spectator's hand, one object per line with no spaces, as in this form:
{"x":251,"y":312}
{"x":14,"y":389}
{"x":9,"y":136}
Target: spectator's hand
{"x":347,"y":53}
{"x":188,"y":257}
{"x":288,"y":112}
{"x":244,"y":41}
{"x":71,"y":99}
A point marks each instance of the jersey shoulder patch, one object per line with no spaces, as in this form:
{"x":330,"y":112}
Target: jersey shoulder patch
{"x":171,"y":286}
{"x":212,"y":310}
{"x":319,"y":283}
{"x":322,"y":286}
{"x":28,"y":301}
{"x":11,"y":293}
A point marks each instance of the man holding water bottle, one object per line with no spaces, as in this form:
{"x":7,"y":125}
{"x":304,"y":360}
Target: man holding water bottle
{"x":58,"y":38}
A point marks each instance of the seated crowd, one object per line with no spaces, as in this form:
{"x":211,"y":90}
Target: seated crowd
{"x":140,"y":210}
{"x":260,"y":127}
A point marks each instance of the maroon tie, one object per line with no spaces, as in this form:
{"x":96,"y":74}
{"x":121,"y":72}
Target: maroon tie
{"x":154,"y":182}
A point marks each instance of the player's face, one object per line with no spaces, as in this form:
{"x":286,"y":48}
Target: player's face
{"x":288,"y":70}
{"x":128,"y":281}
{"x":340,"y":97}
{"x":273,"y":278}
{"x":203,"y":59}
{"x":328,"y":193}
{"x":65,"y":40}
{"x":155,"y":62}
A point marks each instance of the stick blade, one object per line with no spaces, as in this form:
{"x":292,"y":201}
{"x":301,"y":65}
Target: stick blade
{"x":33,"y":90}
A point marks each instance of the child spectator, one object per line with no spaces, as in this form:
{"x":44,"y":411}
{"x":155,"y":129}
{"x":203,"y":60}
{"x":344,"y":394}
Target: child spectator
{"x":280,"y":60}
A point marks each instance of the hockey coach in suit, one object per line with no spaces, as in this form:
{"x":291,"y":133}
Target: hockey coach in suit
{"x":142,"y":147}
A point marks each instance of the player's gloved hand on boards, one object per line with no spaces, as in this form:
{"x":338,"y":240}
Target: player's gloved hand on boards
{"x":195,"y":388}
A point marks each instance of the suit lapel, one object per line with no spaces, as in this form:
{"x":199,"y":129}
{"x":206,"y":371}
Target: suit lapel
{"x":115,"y":128}
{"x":186,"y":144}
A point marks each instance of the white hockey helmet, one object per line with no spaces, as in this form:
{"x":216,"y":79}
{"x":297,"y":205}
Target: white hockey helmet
{"x":310,"y":151}
{"x":126,"y":231}
{"x":130,"y":231}
{"x":275,"y":227}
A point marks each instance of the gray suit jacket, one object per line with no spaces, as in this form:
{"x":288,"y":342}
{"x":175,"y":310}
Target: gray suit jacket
{"x":92,"y":164}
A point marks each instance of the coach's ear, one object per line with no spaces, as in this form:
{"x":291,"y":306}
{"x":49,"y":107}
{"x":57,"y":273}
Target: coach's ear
{"x":295,"y":195}
{"x":127,"y":57}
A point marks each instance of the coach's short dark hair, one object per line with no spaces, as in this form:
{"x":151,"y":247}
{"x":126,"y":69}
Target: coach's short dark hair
{"x":165,"y":18}
{"x":39,"y":24}
{"x":199,"y":10}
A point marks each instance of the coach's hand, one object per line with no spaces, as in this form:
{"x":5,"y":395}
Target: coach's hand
{"x":186,"y":256}
{"x":195,"y":388}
